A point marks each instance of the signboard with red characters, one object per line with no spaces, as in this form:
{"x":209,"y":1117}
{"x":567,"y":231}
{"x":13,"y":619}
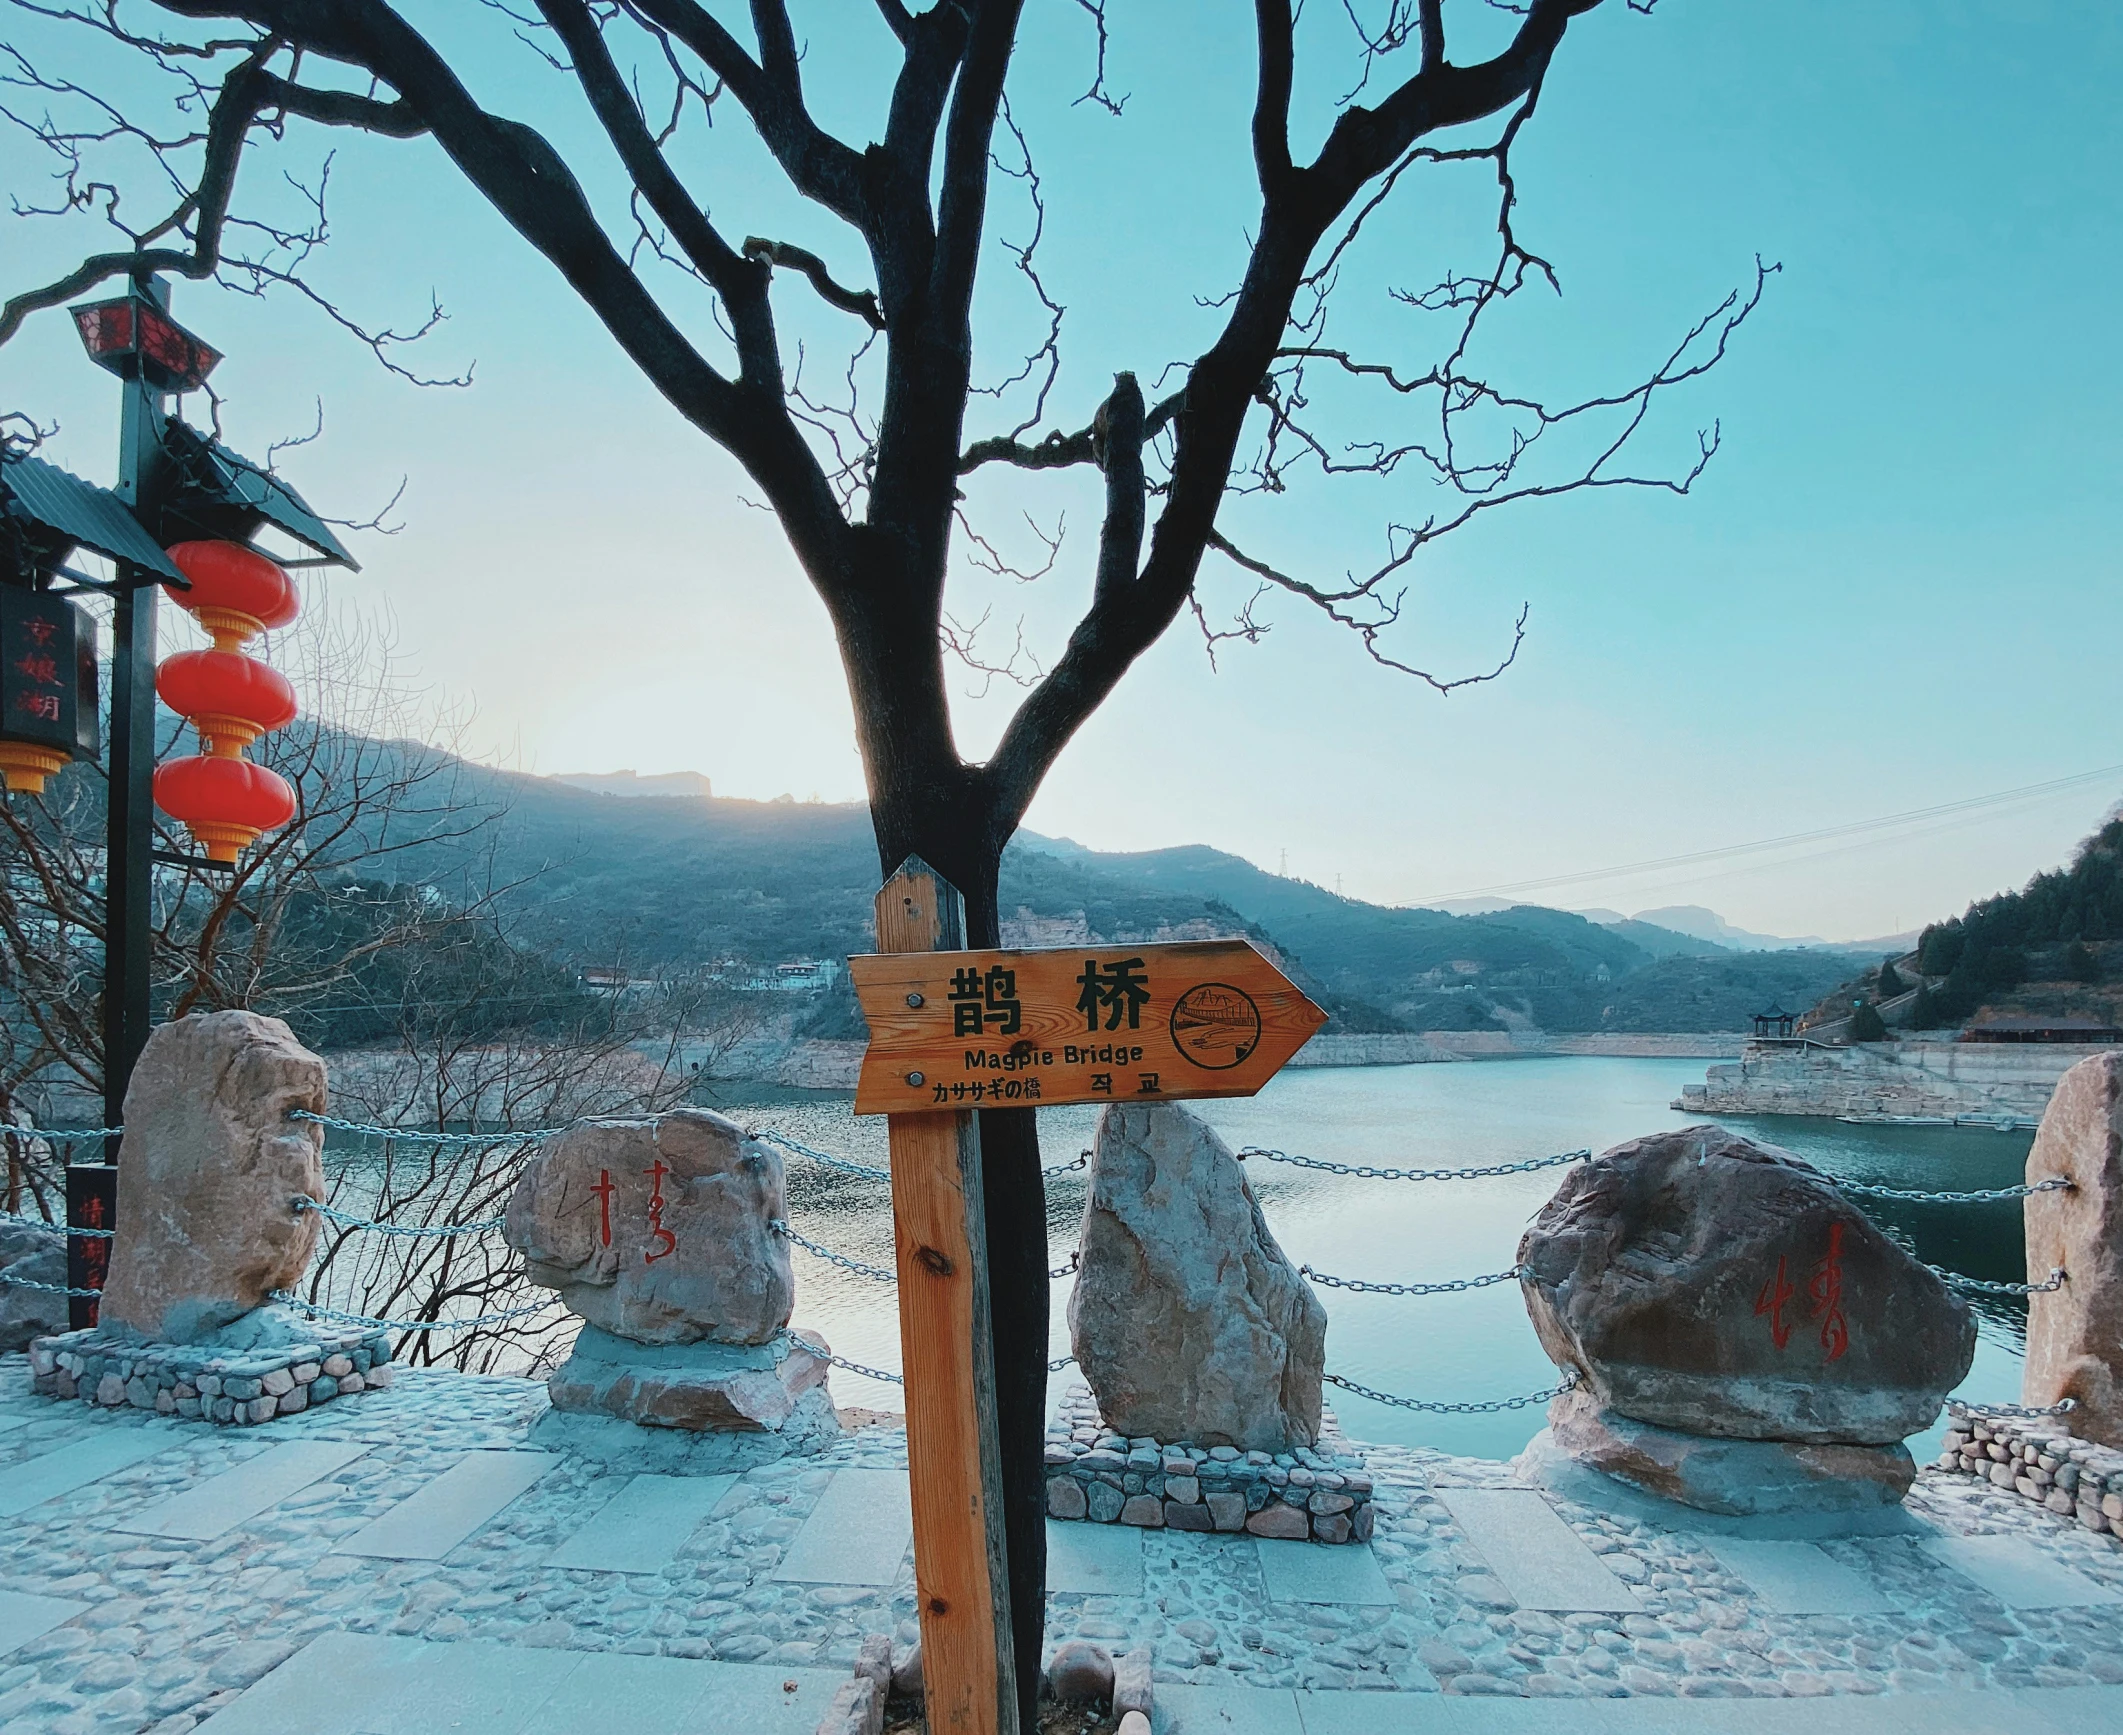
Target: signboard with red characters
{"x":47,"y":673}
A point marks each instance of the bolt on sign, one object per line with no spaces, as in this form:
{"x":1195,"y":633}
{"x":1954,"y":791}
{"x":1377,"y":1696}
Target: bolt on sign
{"x":962,"y":1030}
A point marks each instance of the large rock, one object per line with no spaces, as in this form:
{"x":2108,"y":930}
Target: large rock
{"x":659,"y":1230}
{"x":704,"y":1387}
{"x":36,"y":1255}
{"x":1188,"y":1322}
{"x":1703,"y":1282}
{"x":209,"y":1166}
{"x":1740,"y":1478}
{"x":2075,"y":1334}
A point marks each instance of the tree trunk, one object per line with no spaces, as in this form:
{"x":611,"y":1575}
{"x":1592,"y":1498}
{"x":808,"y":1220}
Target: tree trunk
{"x":1015,"y":1220}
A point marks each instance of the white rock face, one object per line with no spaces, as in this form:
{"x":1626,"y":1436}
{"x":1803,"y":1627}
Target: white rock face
{"x":1187,"y":1320}
{"x":206,"y":1174}
{"x":2075,"y":1334}
{"x":659,"y":1230}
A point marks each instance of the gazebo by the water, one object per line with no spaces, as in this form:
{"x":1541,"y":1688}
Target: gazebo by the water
{"x":1776,"y":1022}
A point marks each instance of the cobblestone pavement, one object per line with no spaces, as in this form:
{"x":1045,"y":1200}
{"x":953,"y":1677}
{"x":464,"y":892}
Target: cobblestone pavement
{"x":173,"y":1629}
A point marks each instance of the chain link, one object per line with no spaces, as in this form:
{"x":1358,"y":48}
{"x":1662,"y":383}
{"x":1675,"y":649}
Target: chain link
{"x":1493,"y":1405}
{"x":68,"y":1229}
{"x":1365,"y":1172}
{"x":1082,"y":1160}
{"x":2061,"y":1407}
{"x":1075,"y":1264}
{"x":1865,"y":1190}
{"x":58,"y":1135}
{"x":876,"y":1272}
{"x":1454,"y":1287}
{"x":411,"y":1136}
{"x":790,"y":1339}
{"x":302,"y":1202}
{"x":1055,"y":1367}
{"x":48,"y":1288}
{"x":769,"y":1136}
{"x":1983,"y":1286}
{"x":338,"y":1316}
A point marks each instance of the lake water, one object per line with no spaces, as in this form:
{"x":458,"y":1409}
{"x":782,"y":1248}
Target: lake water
{"x":1471,"y":1346}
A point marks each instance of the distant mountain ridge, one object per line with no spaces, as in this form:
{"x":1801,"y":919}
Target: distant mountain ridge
{"x":595,"y":880}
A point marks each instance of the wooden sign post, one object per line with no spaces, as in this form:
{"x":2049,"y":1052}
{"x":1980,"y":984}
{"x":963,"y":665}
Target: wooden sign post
{"x":954,"y":1461}
{"x":1086,"y":1024}
{"x":953,"y":1031}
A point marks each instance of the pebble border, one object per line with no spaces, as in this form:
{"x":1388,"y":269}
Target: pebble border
{"x":1100,"y":1477}
{"x":2037,"y":1460}
{"x":115,"y":1369}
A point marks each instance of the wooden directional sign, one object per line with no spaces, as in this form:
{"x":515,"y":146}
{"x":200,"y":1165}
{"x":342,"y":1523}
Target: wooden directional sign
{"x":961,"y":1030}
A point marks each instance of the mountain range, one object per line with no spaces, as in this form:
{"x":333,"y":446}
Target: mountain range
{"x":598,"y":879}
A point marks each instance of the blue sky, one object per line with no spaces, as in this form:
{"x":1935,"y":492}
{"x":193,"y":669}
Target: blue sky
{"x":1895,"y":587}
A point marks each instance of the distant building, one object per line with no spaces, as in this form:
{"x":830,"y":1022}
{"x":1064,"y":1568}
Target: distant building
{"x":804,"y":975}
{"x":1776,"y":1022}
{"x":678,"y":785}
{"x":797,"y":976}
{"x":2042,"y":1029}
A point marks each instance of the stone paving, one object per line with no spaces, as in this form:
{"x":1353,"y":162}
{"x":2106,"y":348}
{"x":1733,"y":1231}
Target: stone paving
{"x":172,"y":1576}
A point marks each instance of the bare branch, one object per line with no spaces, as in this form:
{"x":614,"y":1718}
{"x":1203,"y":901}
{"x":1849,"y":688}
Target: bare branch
{"x":861,"y":302}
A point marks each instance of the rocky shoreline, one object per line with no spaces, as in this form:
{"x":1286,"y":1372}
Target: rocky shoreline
{"x":1936,"y":1080}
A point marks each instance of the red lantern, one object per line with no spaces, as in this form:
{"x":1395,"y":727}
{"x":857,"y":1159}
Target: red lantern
{"x":228,"y":697}
{"x":236,"y":592}
{"x":225,"y":802}
{"x":231,"y":699}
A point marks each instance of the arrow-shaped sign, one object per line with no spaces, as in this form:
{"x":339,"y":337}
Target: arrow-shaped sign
{"x":953,"y":1030}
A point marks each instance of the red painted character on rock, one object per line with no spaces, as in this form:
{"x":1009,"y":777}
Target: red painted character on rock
{"x":657,"y":1232}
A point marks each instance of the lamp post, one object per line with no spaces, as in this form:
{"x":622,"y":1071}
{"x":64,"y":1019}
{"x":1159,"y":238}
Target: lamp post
{"x":134,"y":338}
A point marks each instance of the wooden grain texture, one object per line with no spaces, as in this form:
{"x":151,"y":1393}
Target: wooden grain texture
{"x":1074,"y":1024}
{"x":953,"y":1458}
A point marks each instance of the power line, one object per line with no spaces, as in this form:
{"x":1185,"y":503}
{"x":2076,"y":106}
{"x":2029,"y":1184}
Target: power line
{"x":1972,"y":803}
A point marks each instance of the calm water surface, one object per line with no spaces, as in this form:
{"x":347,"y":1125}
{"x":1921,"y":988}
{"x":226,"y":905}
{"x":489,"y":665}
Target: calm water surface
{"x":1472,"y":1346}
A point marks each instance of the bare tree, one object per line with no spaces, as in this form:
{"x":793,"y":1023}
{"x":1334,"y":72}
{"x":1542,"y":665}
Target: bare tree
{"x":864,"y":458}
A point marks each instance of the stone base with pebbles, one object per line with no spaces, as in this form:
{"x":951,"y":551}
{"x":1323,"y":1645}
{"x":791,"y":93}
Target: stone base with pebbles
{"x":2034,"y":1458}
{"x":1094,"y":1474}
{"x":209,"y":1382}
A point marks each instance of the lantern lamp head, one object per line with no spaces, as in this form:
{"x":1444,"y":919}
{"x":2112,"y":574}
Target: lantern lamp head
{"x":132,"y":337}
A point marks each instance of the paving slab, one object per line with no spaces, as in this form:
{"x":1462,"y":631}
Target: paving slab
{"x":1360,"y":1713}
{"x":1540,"y":1561}
{"x":222,"y":1502}
{"x":23,"y":1618}
{"x":674,"y":1696}
{"x":1798,"y":1578}
{"x":2019,"y":1574}
{"x":1348,"y":1572}
{"x":323,"y":1689}
{"x":644,"y":1525}
{"x":857,"y":1533}
{"x":364,"y":1684}
{"x":468,"y":1688}
{"x":1094,"y":1559}
{"x":435,"y":1518}
{"x":2066,"y":1710}
{"x":76,"y":1464}
{"x":1227,"y":1711}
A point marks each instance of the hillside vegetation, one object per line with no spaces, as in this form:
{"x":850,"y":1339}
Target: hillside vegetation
{"x":2051,"y":950}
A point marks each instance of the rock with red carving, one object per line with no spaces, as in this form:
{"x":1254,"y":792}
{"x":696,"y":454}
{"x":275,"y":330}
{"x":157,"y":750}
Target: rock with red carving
{"x":2075,"y":1332}
{"x":661,"y":1230}
{"x":1703,"y":1282}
